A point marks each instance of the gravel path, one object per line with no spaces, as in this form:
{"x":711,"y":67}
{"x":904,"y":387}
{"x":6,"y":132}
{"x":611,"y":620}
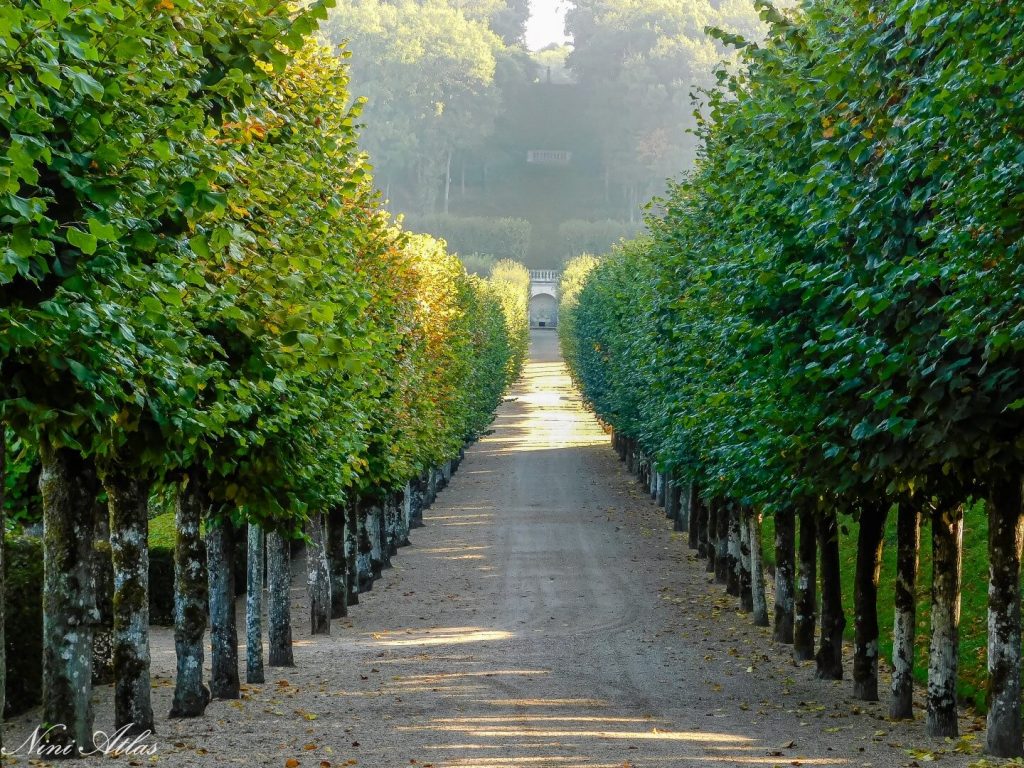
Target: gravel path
{"x":545,"y":617}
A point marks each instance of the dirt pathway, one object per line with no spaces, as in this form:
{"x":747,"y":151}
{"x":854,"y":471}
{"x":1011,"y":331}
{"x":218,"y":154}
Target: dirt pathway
{"x":546,"y":617}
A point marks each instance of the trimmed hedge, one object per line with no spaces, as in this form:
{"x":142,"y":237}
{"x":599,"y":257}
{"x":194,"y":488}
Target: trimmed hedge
{"x":578,"y":236}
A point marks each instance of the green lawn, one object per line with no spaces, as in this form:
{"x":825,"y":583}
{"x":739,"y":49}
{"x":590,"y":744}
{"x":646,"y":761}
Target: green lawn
{"x":973,"y":618}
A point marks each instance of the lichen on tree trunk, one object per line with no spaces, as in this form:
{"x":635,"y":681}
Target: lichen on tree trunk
{"x":68,"y":487}
{"x":908,"y":544}
{"x":318,"y":576}
{"x":128,"y":499}
{"x":806,"y":594}
{"x":785,"y":572}
{"x":758,"y":597}
{"x":190,"y":599}
{"x":352,"y":514}
{"x":337,"y":561}
{"x":698,"y":518}
{"x":1005,"y":539}
{"x":279,"y":604}
{"x":220,"y":550}
{"x":944,"y":648}
{"x":746,"y":587}
{"x":833,"y":621}
{"x":865,"y":601}
{"x":254,"y":605}
{"x":722,"y":562}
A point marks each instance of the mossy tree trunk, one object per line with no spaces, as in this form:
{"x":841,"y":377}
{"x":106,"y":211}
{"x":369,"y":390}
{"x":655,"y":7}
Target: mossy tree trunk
{"x":944,"y":649}
{"x":3,"y":590}
{"x":254,"y":604}
{"x":338,"y":562}
{"x":722,"y":563}
{"x":746,"y":586}
{"x":908,"y":544}
{"x":806,"y":600}
{"x":68,"y":487}
{"x":711,"y":534}
{"x":698,"y":518}
{"x":220,"y":554}
{"x":352,"y":514}
{"x":279,"y":603}
{"x":833,"y":621}
{"x":128,"y":498}
{"x":865,"y":601}
{"x":758,"y":596}
{"x":318,"y":576}
{"x":1005,"y":538}
{"x":785,"y":572}
{"x":190,"y":599}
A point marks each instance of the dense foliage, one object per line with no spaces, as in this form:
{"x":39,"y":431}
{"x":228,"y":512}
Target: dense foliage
{"x":199,"y":290}
{"x":827,"y":314}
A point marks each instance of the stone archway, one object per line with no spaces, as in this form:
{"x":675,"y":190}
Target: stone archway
{"x":543,"y":311}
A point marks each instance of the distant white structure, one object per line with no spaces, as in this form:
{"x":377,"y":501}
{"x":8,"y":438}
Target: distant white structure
{"x":544,"y":298}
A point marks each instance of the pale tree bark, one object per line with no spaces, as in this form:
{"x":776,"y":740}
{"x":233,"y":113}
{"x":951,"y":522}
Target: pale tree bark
{"x":279,"y":603}
{"x":318,"y":576}
{"x":865,"y":601}
{"x":190,"y":599}
{"x":785,"y":572}
{"x":759,"y":598}
{"x":944,"y":649}
{"x":405,"y":515}
{"x":833,"y":621}
{"x":806,"y":599}
{"x":352,"y":514}
{"x":908,"y":544}
{"x":364,"y":554}
{"x":338,"y":562}
{"x":254,"y":605}
{"x":128,"y":499}
{"x":220,"y":550}
{"x":1005,"y":538}
{"x":68,"y":487}
{"x":722,"y":562}
{"x":3,"y":590}
{"x":732,"y":576}
{"x":746,"y":587}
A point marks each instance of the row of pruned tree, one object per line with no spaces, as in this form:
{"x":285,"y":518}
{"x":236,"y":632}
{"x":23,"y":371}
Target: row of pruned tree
{"x":825,"y":323}
{"x":200,"y":293}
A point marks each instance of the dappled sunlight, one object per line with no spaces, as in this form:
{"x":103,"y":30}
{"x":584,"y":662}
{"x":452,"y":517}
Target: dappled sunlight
{"x":439,"y":636}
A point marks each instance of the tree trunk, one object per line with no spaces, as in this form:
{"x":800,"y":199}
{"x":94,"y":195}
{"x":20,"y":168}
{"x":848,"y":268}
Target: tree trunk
{"x":279,"y":603}
{"x":364,"y":556}
{"x":254,"y":605}
{"x":404,"y":515}
{"x":732,"y":576}
{"x":416,"y":517}
{"x":318,"y":576}
{"x":386,"y":529}
{"x":338,"y":561}
{"x":1005,"y":538}
{"x":759,"y":600}
{"x":865,"y":602}
{"x":806,"y":602}
{"x":190,"y":598}
{"x":68,"y":487}
{"x":943,"y":662}
{"x":697,"y":516}
{"x":220,"y":554}
{"x":723,"y":566}
{"x":785,"y":570}
{"x":3,"y":592}
{"x":833,"y":620}
{"x":746,"y":587}
{"x":352,"y":552}
{"x":710,"y":540}
{"x":908,"y":543}
{"x":659,"y":491}
{"x":128,"y":499}
{"x":391,"y":519}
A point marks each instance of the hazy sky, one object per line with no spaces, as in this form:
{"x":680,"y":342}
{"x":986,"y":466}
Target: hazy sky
{"x":546,"y":24}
